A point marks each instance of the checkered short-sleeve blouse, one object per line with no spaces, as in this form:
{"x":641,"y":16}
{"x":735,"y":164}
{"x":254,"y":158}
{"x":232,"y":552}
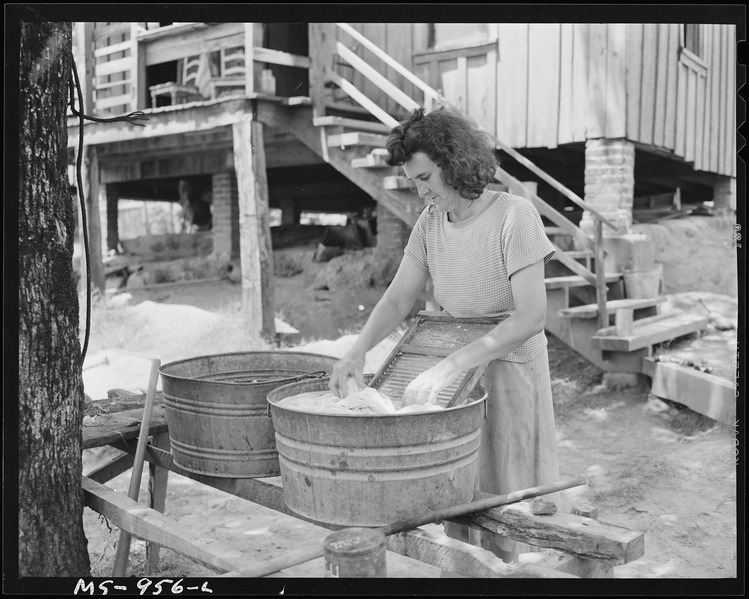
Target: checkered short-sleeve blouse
{"x":471,"y":261}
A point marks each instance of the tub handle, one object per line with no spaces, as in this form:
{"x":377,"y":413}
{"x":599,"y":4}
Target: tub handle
{"x":318,"y":374}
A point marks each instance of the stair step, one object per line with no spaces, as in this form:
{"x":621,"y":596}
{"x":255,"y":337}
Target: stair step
{"x":357,"y":138}
{"x":591,"y":310}
{"x":371,"y":160}
{"x":576,"y":281}
{"x":397,"y":182}
{"x":575,"y":254}
{"x":356,"y":124}
{"x":297,"y":101}
{"x":650,"y":331}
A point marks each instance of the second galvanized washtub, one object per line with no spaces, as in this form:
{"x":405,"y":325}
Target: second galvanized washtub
{"x":363,"y":470}
{"x":217,"y":412}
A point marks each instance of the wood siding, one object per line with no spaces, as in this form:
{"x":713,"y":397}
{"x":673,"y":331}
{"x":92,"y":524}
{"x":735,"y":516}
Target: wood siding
{"x":680,"y":102}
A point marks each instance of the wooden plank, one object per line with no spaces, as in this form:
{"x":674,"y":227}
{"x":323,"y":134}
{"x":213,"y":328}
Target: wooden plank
{"x":611,"y":330}
{"x":376,"y":78}
{"x":112,"y":468}
{"x":652,"y":333}
{"x":114,"y":66}
{"x":591,"y":310}
{"x":481,"y":89}
{"x":582,"y":537}
{"x":574,"y":265}
{"x":371,"y":161}
{"x":648,"y":84}
{"x":357,"y":138}
{"x":121,"y":100}
{"x":700,"y":124}
{"x":261,"y":54}
{"x":543,"y":84}
{"x":254,"y":229}
{"x":704,"y":393}
{"x":729,"y":167}
{"x":360,"y":97}
{"x":151,"y":526}
{"x":596,"y":117}
{"x":566,"y":58}
{"x":114,"y":48}
{"x":458,"y":557}
{"x":580,"y":99}
{"x":691,"y":115}
{"x":512,"y":84}
{"x":397,"y":182}
{"x":669,"y":133}
{"x":661,"y":85}
{"x":575,"y":281}
{"x":616,"y":81}
{"x":356,"y":124}
{"x":613,"y":542}
{"x":110,"y":428}
{"x":707,"y":126}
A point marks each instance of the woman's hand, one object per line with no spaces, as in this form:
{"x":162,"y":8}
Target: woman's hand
{"x":347,"y":375}
{"x":425,"y":387}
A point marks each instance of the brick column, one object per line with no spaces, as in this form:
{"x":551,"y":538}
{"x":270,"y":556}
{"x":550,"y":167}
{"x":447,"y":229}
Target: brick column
{"x":724,"y":194}
{"x":225,"y":215}
{"x":113,"y":231}
{"x":610,"y":176}
{"x":392,"y":234}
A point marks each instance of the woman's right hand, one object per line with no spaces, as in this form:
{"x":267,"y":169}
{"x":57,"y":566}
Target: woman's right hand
{"x":347,"y":375}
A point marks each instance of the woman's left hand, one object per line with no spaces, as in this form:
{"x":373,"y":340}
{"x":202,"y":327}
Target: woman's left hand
{"x":426,"y":386}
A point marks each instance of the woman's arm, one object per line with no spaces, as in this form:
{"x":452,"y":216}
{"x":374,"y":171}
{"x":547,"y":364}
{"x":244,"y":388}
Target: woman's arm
{"x":529,"y":318}
{"x":389,"y":312}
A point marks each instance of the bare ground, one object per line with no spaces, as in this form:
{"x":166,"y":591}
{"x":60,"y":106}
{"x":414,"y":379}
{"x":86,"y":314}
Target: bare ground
{"x":650,"y":466}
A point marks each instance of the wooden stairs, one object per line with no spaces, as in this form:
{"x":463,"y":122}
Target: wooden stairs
{"x":618,"y":341}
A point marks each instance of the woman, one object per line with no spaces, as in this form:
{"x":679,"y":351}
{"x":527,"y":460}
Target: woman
{"x":485,"y":252}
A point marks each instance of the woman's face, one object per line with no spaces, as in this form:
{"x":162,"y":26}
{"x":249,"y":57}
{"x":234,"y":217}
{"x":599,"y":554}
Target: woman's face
{"x":428,"y":179}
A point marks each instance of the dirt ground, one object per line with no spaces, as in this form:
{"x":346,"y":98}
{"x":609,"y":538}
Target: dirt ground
{"x":650,"y":465}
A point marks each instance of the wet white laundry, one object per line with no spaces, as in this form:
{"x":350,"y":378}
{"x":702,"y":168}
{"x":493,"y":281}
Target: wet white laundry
{"x":363,"y":402}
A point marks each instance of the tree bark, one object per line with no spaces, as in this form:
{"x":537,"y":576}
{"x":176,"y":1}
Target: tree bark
{"x":50,"y":514}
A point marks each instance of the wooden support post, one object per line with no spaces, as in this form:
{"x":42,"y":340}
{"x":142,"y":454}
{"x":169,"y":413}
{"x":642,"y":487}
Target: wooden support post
{"x":157,"y":482}
{"x":321,"y":49}
{"x":113,"y":233}
{"x":90,"y":176}
{"x":256,"y":254}
{"x":253,"y":36}
{"x":601,"y":291}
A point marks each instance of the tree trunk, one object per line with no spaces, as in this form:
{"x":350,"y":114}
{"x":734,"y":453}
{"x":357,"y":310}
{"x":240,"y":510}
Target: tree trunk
{"x":50,"y":515}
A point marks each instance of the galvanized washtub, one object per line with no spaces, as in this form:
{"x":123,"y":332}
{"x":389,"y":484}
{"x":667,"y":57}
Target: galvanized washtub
{"x":363,"y":470}
{"x":217,"y":412}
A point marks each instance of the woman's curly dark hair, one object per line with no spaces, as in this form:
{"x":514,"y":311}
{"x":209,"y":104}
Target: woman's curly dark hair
{"x":452,"y":142}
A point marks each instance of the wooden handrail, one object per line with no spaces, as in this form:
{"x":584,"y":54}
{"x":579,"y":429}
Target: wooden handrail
{"x":389,"y":60}
{"x":434,"y":97}
{"x":402,"y":98}
{"x":357,"y":95}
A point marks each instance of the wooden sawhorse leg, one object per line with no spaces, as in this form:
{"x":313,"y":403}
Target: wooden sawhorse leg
{"x":157,"y":482}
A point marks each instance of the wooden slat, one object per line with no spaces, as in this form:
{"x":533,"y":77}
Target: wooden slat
{"x":371,"y":161}
{"x":357,"y":138}
{"x":576,"y":281}
{"x":512,"y":74}
{"x":114,"y":48}
{"x":713,"y":79}
{"x":611,"y":330}
{"x":652,"y":333}
{"x":112,"y":468}
{"x":669,"y":134}
{"x":648,"y":97}
{"x":591,"y":310}
{"x":564,"y":532}
{"x":616,"y":85}
{"x":543,"y":84}
{"x":691,"y":115}
{"x":151,"y":526}
{"x":634,"y":79}
{"x":596,"y":118}
{"x":661,"y":85}
{"x":700,"y":124}
{"x":681,"y":109}
{"x":574,"y":265}
{"x":566,"y":58}
{"x":122,"y":100}
{"x":355,"y":124}
{"x":281,"y":58}
{"x":115,"y":66}
{"x":357,"y":95}
{"x":375,"y":77}
{"x":580,"y":99}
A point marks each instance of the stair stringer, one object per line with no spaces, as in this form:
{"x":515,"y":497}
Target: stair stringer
{"x":298,"y":121}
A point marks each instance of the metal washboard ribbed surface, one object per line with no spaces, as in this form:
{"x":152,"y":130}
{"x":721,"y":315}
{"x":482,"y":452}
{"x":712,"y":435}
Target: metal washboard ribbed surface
{"x":431,"y":337}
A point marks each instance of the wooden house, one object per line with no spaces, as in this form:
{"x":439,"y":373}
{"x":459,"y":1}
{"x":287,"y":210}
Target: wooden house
{"x":598,"y":120}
